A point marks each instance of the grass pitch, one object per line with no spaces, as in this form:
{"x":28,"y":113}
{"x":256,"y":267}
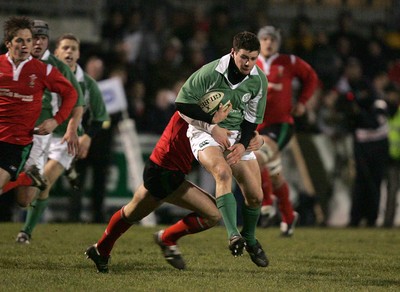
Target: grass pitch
{"x":315,"y":259}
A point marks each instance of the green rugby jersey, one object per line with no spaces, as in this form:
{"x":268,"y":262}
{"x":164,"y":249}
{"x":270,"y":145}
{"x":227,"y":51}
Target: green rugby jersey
{"x":248,"y":97}
{"x":94,"y":102}
{"x":51,"y":101}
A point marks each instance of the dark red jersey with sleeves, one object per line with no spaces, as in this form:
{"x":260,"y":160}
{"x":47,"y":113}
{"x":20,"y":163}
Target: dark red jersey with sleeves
{"x":21,"y":92}
{"x":280,"y":70}
{"x":173,"y":150}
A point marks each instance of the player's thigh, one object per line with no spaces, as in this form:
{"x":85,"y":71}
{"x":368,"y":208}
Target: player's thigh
{"x":213,"y":160}
{"x":59,"y":152}
{"x":141,"y":205}
{"x":25,"y":195}
{"x":52,"y":171}
{"x":248,"y":178}
{"x":191,"y":197}
{"x":4,"y":177}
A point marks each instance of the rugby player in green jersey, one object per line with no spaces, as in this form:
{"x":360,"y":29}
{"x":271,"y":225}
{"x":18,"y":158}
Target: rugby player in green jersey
{"x":233,"y":79}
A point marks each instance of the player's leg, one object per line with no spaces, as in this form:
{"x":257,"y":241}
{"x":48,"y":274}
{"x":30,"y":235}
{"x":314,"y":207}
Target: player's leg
{"x":52,"y":172}
{"x":265,"y":155}
{"x":4,"y":177}
{"x":213,"y":161}
{"x":204,"y":216}
{"x":247,"y":175}
{"x":58,"y":161}
{"x":139,"y":207}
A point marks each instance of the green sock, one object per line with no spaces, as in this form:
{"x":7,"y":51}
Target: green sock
{"x":227,"y":207}
{"x":250,"y":220}
{"x":34,"y":215}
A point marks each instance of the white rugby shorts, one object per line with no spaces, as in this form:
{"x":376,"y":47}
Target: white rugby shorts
{"x":59,"y":152}
{"x":39,"y":152}
{"x":199,"y":140}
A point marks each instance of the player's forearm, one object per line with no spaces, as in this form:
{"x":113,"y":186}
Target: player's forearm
{"x":247,"y":132}
{"x":193,"y":111}
{"x":76,"y":118}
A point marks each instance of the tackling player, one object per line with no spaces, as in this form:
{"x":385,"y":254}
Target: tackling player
{"x":164,"y":181}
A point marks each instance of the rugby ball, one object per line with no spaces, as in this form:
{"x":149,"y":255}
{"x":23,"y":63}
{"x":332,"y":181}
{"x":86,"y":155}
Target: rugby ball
{"x":210,"y":101}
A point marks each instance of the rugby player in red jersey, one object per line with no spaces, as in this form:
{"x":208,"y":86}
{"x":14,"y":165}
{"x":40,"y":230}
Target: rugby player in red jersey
{"x":23,"y":80}
{"x":278,"y":125}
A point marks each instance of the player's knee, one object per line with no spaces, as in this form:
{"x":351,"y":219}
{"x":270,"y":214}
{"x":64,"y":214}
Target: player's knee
{"x":222,"y":173}
{"x":213,"y":218}
{"x":265,"y":153}
{"x":23,"y":203}
{"x":255,"y":200}
{"x":275,"y":167}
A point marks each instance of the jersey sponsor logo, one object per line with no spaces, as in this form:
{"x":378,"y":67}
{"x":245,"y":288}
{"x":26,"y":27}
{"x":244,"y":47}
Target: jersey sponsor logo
{"x":246,"y":97}
{"x":204,"y":143}
{"x":6,"y":92}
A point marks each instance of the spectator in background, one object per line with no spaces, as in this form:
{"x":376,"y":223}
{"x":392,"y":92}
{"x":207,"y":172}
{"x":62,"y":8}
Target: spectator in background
{"x":95,"y":67}
{"x":159,"y":113}
{"x":301,"y":39}
{"x":100,"y":152}
{"x":374,"y":60}
{"x":366,"y":117}
{"x":113,"y":29}
{"x":345,"y":39}
{"x":137,"y":104}
{"x":222,"y":29}
{"x":168,"y":69}
{"x":392,"y":97}
{"x":325,"y":60}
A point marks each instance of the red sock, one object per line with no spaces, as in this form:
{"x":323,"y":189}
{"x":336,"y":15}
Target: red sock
{"x":266,"y":187}
{"x":115,"y":228}
{"x":191,"y":223}
{"x":284,"y":204}
{"x":22,"y":180}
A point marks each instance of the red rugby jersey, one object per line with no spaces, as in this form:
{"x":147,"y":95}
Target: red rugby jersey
{"x":173,"y":149}
{"x":21,"y":91}
{"x":280,"y":70}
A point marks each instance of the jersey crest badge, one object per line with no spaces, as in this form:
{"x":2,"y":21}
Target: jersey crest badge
{"x":32,"y":78}
{"x":246,"y":97}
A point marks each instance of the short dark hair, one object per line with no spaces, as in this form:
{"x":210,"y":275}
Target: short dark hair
{"x":67,"y":36}
{"x":14,"y":24}
{"x":246,"y":40}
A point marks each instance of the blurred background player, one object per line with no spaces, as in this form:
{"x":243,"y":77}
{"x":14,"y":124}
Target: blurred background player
{"x":50,"y":153}
{"x":242,"y":84}
{"x":68,"y":51}
{"x":278,"y":127}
